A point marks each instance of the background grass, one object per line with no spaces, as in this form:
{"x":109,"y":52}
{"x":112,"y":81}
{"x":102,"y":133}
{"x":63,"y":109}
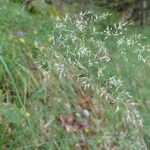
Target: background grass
{"x":51,"y":95}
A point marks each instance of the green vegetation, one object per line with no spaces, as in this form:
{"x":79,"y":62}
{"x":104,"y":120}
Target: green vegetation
{"x":72,"y":82}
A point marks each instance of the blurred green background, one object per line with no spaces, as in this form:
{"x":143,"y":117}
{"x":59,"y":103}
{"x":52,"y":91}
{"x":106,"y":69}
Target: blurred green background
{"x":49,"y":90}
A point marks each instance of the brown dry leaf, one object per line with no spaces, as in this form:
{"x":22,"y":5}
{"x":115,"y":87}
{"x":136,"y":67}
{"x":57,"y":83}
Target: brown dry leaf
{"x":68,"y":122}
{"x":86,"y":102}
{"x":70,"y":119}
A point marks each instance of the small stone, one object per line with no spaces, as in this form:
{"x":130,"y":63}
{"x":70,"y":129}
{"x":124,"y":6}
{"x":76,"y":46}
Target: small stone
{"x":86,"y":113}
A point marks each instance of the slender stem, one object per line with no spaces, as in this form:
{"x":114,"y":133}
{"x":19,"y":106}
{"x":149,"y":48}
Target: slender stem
{"x":17,"y":92}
